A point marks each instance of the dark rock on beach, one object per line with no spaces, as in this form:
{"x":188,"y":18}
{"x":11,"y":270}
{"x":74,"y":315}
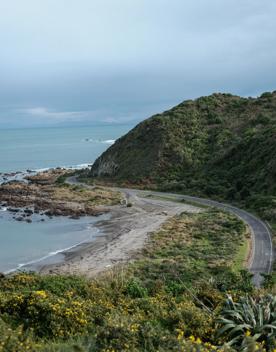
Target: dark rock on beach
{"x":13,"y":210}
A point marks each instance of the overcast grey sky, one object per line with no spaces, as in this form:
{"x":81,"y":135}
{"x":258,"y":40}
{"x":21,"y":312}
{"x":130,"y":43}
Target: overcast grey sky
{"x":93,"y":61}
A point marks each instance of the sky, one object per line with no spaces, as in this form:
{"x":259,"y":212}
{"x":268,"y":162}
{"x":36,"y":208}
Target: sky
{"x":67,"y":62}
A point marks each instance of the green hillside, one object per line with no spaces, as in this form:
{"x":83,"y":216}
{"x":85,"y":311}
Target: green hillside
{"x":221,"y":146}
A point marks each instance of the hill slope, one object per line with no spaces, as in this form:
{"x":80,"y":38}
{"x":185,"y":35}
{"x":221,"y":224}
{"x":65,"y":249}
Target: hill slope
{"x":221,"y":145}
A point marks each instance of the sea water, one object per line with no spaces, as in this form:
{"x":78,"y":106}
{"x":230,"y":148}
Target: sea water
{"x":23,"y":244}
{"x":39,"y":148}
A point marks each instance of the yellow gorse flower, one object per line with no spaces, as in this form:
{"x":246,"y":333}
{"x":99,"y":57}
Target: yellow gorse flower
{"x":41,"y":294}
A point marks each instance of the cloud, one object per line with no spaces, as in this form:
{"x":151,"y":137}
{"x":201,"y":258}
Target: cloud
{"x":44,"y":113}
{"x":106,"y":61}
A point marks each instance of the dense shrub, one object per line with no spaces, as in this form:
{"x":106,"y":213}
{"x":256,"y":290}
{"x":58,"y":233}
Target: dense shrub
{"x":47,"y":314}
{"x":15,"y":340}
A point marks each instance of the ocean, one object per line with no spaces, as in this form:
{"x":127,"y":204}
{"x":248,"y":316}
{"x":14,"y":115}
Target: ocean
{"x":22,"y":245}
{"x":39,"y":148}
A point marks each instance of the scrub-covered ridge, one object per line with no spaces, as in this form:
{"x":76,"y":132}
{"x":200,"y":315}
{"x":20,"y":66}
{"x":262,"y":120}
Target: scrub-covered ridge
{"x":221,"y":146}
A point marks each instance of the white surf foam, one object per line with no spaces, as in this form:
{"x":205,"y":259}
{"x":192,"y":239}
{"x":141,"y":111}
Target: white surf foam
{"x":109,"y":141}
{"x":67,"y":167}
{"x":79,"y":166}
{"x":105,"y":141}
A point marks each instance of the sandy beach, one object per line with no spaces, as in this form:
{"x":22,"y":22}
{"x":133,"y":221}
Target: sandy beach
{"x":121,"y":237}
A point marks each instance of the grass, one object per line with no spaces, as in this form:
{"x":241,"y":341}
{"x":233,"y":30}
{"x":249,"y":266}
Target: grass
{"x":82,"y":195}
{"x":190,"y":248}
{"x":241,"y":257}
{"x":272,"y":225}
{"x":174,"y":199}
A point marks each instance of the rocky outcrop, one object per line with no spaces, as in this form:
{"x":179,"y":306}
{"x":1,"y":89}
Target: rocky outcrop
{"x":28,"y":199}
{"x":48,"y":177}
{"x":46,"y":194}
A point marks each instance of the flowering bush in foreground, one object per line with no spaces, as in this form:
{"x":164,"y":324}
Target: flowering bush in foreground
{"x":46,"y":314}
{"x":112,"y":314}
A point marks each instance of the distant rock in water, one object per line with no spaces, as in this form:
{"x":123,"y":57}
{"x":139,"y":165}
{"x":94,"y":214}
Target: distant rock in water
{"x":216,"y":145}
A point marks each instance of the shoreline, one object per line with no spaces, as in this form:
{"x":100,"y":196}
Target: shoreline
{"x":19,"y":175}
{"x":87,"y":230}
{"x":120,"y":238}
{"x":56,"y":253}
{"x":35,"y":264}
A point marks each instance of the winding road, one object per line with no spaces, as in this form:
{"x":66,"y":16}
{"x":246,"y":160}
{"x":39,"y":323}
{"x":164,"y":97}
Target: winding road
{"x":261,"y":260}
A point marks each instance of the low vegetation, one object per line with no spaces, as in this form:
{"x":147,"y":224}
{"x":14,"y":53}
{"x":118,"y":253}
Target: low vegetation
{"x":173,"y":297}
{"x":96,"y":196}
{"x":193,"y":248}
